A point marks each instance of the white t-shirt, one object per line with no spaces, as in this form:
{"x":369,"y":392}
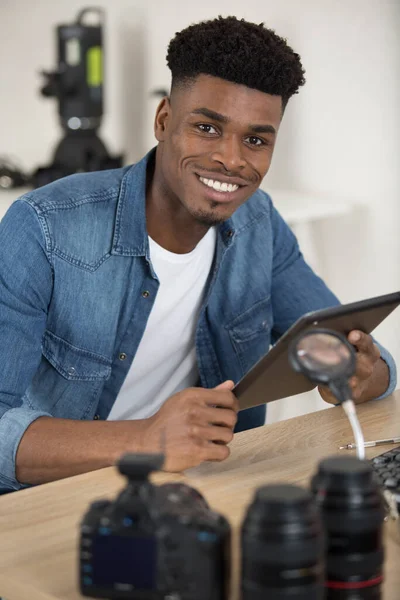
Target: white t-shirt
{"x":165,"y":361}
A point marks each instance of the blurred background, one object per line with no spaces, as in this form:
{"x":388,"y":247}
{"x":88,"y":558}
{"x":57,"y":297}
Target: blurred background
{"x":335,"y":173}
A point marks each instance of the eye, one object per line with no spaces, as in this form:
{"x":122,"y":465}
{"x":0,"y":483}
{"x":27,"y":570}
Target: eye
{"x":253,"y":140}
{"x":207,"y":128}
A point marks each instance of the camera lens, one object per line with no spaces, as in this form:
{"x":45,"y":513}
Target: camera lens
{"x":282,"y":546}
{"x":352,"y":512}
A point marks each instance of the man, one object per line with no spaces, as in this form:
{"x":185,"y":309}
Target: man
{"x":123,"y":290}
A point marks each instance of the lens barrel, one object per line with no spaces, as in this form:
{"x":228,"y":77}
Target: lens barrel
{"x":352,"y":511}
{"x":282,"y":546}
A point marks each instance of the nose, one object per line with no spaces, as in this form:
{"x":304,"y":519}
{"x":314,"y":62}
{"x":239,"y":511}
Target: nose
{"x":229,"y":153}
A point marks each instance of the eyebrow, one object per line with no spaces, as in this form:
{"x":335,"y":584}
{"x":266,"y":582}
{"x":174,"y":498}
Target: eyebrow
{"x":215,"y":116}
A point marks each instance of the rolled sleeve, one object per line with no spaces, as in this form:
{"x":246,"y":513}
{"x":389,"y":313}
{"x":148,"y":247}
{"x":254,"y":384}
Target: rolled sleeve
{"x":387,"y":357}
{"x":13,"y":425}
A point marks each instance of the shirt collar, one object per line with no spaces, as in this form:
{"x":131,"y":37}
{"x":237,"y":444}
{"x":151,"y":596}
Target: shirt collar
{"x":130,"y":231}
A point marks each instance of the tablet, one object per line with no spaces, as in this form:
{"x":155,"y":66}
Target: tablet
{"x":272,"y":377}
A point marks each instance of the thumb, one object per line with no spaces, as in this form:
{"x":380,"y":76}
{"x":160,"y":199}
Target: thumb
{"x":225,"y":385}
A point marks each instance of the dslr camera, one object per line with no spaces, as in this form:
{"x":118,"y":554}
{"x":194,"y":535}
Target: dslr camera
{"x":153,"y":542}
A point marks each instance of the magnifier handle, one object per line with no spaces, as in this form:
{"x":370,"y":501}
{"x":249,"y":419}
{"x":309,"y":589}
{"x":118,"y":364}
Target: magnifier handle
{"x":350,"y":410}
{"x":340,"y":389}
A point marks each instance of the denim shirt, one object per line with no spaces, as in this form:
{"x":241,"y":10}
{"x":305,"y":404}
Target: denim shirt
{"x":77,"y":287}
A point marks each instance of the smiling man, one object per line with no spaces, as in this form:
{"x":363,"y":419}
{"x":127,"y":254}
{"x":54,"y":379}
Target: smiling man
{"x":132,"y":300}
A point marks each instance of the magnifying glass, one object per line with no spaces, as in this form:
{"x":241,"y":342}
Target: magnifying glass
{"x":327,"y":358}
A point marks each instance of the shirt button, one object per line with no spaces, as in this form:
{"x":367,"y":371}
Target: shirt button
{"x":229,"y":233}
{"x":71,"y":371}
{"x":122,"y":356}
{"x":96,"y":417}
{"x":145,"y":294}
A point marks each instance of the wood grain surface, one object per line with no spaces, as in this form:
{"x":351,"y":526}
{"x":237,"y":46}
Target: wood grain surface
{"x":39,"y":526}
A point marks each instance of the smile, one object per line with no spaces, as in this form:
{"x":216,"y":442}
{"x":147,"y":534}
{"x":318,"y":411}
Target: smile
{"x":219,"y":186}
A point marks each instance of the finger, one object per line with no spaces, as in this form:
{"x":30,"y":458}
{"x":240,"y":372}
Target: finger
{"x":226,"y":385}
{"x":214,"y":433}
{"x":221,"y":398}
{"x":224,"y":417}
{"x":326,"y":394}
{"x":205,"y":434}
{"x":362,"y":341}
{"x":215,"y":452}
{"x":364,"y":366}
{"x":356,"y":386}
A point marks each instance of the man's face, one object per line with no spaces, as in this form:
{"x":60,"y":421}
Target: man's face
{"x":216,"y":140}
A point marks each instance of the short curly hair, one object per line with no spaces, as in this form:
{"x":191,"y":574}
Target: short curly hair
{"x":238,"y":51}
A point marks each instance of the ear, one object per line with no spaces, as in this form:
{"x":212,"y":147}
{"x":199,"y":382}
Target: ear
{"x":163,"y":115}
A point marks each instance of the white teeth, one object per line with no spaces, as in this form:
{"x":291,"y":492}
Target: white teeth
{"x":218,"y":185}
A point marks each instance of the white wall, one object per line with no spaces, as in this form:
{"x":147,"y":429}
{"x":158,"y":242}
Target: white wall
{"x":340,"y":135}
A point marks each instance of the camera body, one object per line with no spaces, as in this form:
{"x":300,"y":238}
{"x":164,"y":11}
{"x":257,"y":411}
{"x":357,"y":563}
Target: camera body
{"x":154,"y":542}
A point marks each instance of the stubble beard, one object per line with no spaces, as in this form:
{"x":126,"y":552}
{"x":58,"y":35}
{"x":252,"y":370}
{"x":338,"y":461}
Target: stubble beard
{"x":210,"y":217}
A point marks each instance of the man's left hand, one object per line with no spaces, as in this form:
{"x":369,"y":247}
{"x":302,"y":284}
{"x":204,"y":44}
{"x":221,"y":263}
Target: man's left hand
{"x":371,"y":374}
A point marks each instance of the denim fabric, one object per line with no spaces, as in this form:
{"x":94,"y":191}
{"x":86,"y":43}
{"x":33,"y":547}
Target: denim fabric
{"x":74,"y":263}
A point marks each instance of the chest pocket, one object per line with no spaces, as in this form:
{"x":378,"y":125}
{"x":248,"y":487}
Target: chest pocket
{"x":68,"y":381}
{"x":250,"y":333}
{"x":74,"y":364}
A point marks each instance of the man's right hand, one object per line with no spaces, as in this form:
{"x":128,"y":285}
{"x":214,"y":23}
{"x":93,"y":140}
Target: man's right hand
{"x":193,"y":426}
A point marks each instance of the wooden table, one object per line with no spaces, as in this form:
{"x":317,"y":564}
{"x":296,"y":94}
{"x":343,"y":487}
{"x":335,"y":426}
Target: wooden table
{"x":39,"y":526}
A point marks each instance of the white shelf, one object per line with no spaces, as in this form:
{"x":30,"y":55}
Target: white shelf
{"x":300,"y":207}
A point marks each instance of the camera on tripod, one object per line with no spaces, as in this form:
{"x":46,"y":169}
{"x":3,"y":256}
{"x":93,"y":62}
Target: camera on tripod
{"x":154,"y":542}
{"x":77,"y":84}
